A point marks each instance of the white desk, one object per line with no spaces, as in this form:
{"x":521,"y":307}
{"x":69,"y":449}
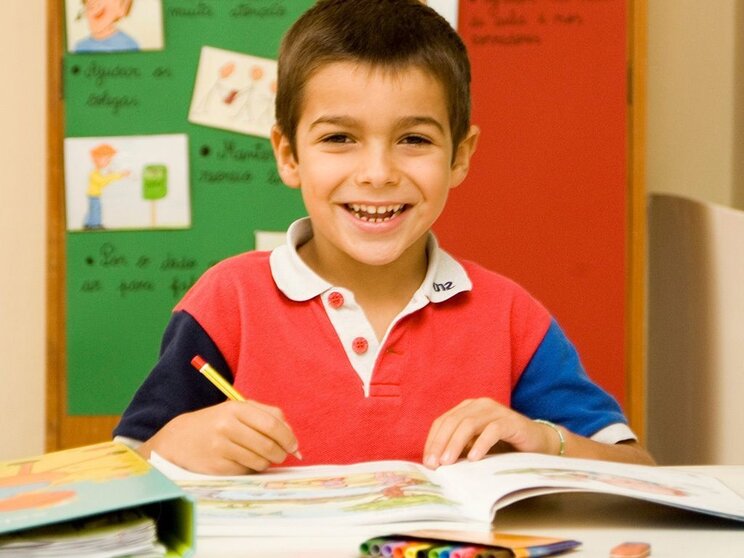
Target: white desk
{"x":598,"y":521}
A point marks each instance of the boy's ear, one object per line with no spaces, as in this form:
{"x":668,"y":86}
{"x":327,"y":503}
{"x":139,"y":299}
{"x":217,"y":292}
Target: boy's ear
{"x":464,"y":152}
{"x":286,"y":163}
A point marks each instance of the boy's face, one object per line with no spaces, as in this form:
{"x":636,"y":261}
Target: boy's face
{"x":373,"y":161}
{"x":102,"y":15}
{"x":102,"y":161}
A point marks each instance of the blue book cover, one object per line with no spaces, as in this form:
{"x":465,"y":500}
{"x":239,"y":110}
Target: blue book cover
{"x":86,"y":481}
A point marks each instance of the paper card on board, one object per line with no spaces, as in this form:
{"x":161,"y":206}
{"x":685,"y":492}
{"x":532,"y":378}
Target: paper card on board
{"x":127,"y":182}
{"x":234,"y":91}
{"x":103,"y":26}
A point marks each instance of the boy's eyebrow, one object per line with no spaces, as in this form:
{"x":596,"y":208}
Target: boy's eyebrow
{"x":410,"y":121}
{"x":405,"y":122}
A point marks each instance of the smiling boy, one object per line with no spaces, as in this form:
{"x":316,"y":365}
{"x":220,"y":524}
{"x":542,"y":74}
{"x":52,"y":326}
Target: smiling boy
{"x":361,"y":338}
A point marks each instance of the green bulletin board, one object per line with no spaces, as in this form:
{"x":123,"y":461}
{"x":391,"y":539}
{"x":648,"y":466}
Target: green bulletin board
{"x":121,"y":285}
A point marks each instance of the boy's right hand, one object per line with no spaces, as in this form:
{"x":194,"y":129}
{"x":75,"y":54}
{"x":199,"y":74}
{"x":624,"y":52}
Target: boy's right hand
{"x":231,"y":438}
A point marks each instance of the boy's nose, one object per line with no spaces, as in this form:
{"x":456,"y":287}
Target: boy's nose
{"x":377,"y":168}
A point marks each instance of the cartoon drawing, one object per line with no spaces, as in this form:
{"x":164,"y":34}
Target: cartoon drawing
{"x":234,"y":91}
{"x":154,"y":193}
{"x":640,"y":485}
{"x":46,"y":481}
{"x":154,"y":187}
{"x":257,"y":99}
{"x":103,"y":26}
{"x":219,"y":91}
{"x":314,"y":496}
{"x":99,"y":179}
{"x":103,"y":17}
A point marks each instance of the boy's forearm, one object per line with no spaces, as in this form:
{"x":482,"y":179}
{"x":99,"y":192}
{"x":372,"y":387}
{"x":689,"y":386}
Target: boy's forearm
{"x":622,"y":452}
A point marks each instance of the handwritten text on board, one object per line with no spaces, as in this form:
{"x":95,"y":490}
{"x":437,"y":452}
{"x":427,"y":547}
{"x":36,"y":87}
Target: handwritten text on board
{"x":516,"y":23}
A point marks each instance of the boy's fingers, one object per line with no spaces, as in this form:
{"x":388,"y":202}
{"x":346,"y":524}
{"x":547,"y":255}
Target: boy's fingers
{"x":258,"y":445}
{"x":268,"y":421}
{"x":467,"y":429}
{"x":437,"y":438}
{"x":275,"y":411}
{"x":461,"y":427}
{"x":452,"y":435}
{"x":248,"y":458}
{"x":486,"y":440}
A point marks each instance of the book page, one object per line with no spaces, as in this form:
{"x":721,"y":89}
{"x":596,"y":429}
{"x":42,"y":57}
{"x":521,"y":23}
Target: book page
{"x":507,"y":478}
{"x":296,"y":499}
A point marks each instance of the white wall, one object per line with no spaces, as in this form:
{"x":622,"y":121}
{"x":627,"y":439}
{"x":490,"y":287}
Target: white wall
{"x":22,"y":226}
{"x":695,"y":119}
{"x":695,"y":149}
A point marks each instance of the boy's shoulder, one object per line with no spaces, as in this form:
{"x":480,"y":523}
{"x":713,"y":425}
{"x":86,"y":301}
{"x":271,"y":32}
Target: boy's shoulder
{"x":485,"y":279}
{"x":494,"y":290}
{"x":246,"y":276}
{"x":245,"y":262}
{"x":239,"y":271}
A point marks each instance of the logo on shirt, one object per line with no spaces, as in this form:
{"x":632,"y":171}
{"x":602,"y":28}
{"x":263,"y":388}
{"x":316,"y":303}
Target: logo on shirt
{"x":447,"y":286}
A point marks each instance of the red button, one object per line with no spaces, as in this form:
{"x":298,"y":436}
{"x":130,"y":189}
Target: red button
{"x":360,"y":345}
{"x":336,"y":299}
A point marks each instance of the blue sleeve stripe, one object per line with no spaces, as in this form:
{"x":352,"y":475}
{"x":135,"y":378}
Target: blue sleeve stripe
{"x":554,"y":386}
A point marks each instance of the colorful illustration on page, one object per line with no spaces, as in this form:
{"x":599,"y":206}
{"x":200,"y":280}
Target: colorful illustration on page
{"x":580,"y":477}
{"x":49,"y":480}
{"x":316,"y":496}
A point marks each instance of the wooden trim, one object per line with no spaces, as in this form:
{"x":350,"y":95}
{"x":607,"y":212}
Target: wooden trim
{"x":637,"y":221}
{"x":55,"y":326}
{"x":62,"y":430}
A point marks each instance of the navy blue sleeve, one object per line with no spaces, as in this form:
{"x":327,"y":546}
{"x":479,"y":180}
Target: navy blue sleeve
{"x":174,"y":386}
{"x":554,"y":386}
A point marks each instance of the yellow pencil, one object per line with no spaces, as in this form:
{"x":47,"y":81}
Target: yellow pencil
{"x":223,"y":385}
{"x":216,"y":378}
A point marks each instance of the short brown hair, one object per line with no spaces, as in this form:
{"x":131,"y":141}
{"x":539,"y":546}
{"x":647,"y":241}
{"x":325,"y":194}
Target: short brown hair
{"x":387,"y":33}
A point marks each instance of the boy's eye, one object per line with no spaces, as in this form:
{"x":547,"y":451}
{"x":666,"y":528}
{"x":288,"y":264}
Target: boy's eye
{"x":416,"y":140}
{"x":337,"y":138}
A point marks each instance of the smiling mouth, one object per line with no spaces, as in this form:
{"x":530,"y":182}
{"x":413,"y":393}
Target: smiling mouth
{"x":375,"y":213}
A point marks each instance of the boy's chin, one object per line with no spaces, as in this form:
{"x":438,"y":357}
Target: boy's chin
{"x":376,"y":258}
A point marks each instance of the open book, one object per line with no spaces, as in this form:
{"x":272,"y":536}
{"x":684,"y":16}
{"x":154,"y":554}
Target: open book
{"x":307,"y":500}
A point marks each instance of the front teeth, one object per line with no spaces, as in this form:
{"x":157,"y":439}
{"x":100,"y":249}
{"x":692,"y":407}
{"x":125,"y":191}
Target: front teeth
{"x":371,"y":209}
{"x":376,"y":214}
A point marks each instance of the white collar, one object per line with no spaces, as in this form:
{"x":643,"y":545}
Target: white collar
{"x":445,"y":277}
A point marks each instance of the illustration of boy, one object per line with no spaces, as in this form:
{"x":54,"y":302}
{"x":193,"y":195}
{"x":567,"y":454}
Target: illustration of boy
{"x":103,"y":17}
{"x":98,"y":179}
{"x":360,"y":338}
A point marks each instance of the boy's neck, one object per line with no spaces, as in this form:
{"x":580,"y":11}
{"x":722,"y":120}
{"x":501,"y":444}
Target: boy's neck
{"x":381,"y":290}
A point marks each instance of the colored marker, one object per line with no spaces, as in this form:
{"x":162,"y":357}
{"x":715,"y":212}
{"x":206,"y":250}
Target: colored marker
{"x":388,"y":549}
{"x":372,"y":547}
{"x":223,"y":385}
{"x":409,"y":550}
{"x":465,"y":552}
{"x":441,"y":551}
